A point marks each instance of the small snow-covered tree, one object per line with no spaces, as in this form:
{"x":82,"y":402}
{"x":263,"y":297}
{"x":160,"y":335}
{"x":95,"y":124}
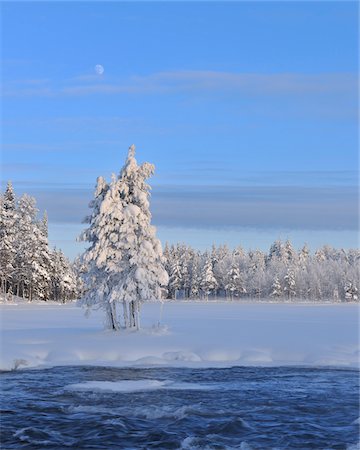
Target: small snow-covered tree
{"x":290,"y":283}
{"x":235,"y":283}
{"x":351,"y":291}
{"x":25,"y":247}
{"x":276,"y":288}
{"x":125,"y":256}
{"x":41,"y":262}
{"x":184,"y":260}
{"x":290,"y":253}
{"x":7,"y":238}
{"x":174,"y":278}
{"x":277,"y":251}
{"x":304,"y":256}
{"x":64,"y":280}
{"x":208,"y":282}
{"x":195,"y":278}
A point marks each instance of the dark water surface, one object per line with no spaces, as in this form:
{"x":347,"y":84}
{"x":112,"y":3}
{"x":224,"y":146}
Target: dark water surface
{"x":246,"y":408}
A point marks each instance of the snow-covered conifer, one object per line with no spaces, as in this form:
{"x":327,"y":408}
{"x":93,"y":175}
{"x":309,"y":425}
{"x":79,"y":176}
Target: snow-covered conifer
{"x":195,"y":278}
{"x":208,"y":282}
{"x":126,"y":253}
{"x":290,"y":253}
{"x":64,"y":281}
{"x":290,"y":283}
{"x":174,"y":278}
{"x":276,"y":288}
{"x":304,"y":255}
{"x":235,"y":283}
{"x":7,"y":238}
{"x":351,"y":291}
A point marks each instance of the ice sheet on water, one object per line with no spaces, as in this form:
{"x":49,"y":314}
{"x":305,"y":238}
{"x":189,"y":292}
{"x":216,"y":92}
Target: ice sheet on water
{"x":134,"y":386}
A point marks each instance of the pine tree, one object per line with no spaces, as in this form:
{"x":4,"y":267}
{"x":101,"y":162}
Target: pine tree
{"x":93,"y":259}
{"x":64,"y":281}
{"x":174,"y":278}
{"x":41,"y":264}
{"x":221,"y":266}
{"x":184,"y":263}
{"x":277,"y":251}
{"x":195,"y":278}
{"x":208,"y":282}
{"x":276,"y":288}
{"x":235,"y":282}
{"x":290,"y":283}
{"x":290,"y":253}
{"x":26,"y":246}
{"x":304,"y":256}
{"x":351,"y":291}
{"x":7,"y":238}
{"x":126,"y":253}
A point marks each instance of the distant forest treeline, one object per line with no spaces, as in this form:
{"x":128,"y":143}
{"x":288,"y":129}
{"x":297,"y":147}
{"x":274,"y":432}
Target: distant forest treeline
{"x":282,"y":273}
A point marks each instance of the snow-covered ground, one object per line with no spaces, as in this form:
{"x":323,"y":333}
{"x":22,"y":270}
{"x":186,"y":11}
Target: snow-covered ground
{"x":196,"y":334}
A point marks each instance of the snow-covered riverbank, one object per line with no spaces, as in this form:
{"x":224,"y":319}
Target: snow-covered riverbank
{"x":192,"y":334}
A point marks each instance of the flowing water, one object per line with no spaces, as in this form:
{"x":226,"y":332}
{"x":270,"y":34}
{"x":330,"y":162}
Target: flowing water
{"x":246,"y":408}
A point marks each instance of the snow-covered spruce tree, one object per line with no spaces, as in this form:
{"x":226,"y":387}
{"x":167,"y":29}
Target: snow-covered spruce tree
{"x":195,"y":277}
{"x":290,"y":284}
{"x":221,"y":267}
{"x":41,"y":263}
{"x":351,"y":291}
{"x":93,"y":268}
{"x":25,"y":246}
{"x":7,"y":238}
{"x":174,"y":278}
{"x":276,"y":289}
{"x":125,"y":263}
{"x":208,"y":282}
{"x":64,"y":280}
{"x":235,"y":283}
{"x":256,"y":271}
{"x":185,"y":256}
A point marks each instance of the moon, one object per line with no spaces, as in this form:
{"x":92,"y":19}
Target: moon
{"x":99,"y":69}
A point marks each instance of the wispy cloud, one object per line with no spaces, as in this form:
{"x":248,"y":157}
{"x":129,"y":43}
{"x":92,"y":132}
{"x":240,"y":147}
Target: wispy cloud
{"x":28,"y":88}
{"x":253,"y":84}
{"x":211,"y":81}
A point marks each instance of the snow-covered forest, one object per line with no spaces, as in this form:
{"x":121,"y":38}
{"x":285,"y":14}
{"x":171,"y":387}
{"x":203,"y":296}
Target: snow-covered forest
{"x":28,"y":268}
{"x":281,"y":274}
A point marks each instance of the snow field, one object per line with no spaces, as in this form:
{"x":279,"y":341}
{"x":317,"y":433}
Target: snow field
{"x":192,"y":334}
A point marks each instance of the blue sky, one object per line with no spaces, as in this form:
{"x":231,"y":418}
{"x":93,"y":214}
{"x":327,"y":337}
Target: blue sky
{"x":247,"y":109}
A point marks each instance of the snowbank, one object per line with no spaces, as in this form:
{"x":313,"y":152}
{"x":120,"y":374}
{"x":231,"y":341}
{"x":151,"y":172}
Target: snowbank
{"x":196,"y":334}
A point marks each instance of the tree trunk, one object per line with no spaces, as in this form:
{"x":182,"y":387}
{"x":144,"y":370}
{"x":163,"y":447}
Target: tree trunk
{"x":111,"y":312}
{"x":132,"y":314}
{"x":137,"y":315}
{"x":126,"y":316}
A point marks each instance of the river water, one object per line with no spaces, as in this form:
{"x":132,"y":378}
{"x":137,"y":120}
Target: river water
{"x":246,"y":408}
